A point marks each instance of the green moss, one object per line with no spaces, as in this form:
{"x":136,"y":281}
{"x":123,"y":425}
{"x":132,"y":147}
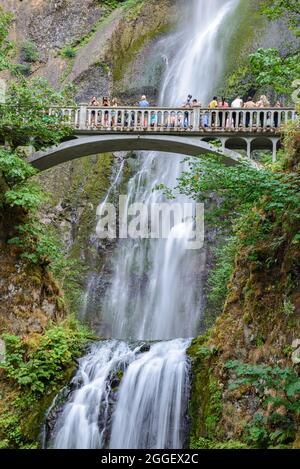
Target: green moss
{"x":248,"y":24}
{"x":120,"y":374}
{"x":205,"y":407}
{"x":122,"y":59}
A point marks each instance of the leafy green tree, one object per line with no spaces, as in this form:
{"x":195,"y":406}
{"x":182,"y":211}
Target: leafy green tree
{"x":271,"y":69}
{"x":25,"y":120}
{"x":239,"y":189}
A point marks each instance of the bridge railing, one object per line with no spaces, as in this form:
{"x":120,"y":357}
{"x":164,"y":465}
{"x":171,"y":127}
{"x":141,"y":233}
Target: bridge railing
{"x":156,"y":119}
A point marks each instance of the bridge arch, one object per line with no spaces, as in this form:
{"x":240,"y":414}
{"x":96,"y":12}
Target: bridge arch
{"x":85,"y":145}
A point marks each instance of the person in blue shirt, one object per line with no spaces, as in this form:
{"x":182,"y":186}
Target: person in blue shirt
{"x":143,"y":102}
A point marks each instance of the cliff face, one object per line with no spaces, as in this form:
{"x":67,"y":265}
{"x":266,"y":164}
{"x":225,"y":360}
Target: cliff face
{"x":109,"y":48}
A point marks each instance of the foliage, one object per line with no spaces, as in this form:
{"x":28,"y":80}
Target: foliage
{"x":241,"y":79}
{"x":36,"y":242}
{"x":39,"y":369}
{"x":206,"y":443}
{"x":243,"y":193}
{"x":69,"y":52}
{"x":113,"y":3}
{"x":23,"y":119}
{"x":30,"y":51}
{"x":38,"y":245}
{"x":21,"y":69}
{"x":36,"y":369}
{"x":272,"y":69}
{"x":269,"y":70}
{"x":220,"y":274}
{"x":14,"y":169}
{"x":279,"y":391}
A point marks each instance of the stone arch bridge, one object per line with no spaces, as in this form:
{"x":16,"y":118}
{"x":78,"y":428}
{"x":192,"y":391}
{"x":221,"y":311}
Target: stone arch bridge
{"x":232,"y":133}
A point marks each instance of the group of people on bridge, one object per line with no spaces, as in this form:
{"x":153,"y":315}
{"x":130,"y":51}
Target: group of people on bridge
{"x":225,"y":120}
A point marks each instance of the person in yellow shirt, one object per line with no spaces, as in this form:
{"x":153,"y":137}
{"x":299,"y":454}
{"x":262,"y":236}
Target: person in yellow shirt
{"x":214,"y":103}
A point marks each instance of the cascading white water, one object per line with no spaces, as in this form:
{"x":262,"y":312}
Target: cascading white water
{"x":84,"y":420}
{"x":153,"y":399}
{"x":156,"y":401}
{"x":155,"y":292}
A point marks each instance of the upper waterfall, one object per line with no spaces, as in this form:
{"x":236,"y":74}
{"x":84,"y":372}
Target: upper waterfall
{"x":200,"y":45}
{"x":156,"y":289}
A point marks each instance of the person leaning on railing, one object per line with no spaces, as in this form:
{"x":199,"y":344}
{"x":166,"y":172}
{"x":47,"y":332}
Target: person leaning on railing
{"x":95,"y":103}
{"x":249,"y":104}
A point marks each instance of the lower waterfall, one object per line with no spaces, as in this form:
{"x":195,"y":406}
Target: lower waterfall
{"x":150,"y":409}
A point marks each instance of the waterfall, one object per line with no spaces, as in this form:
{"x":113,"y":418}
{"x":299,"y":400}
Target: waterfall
{"x":153,"y":399}
{"x":156,"y":290}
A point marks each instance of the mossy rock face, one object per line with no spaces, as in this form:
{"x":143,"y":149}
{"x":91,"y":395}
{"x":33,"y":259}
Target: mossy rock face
{"x":31,"y":421}
{"x":205,"y":406}
{"x":136,"y":67}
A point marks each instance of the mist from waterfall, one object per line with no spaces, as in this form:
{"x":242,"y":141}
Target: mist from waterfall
{"x":156,"y":288}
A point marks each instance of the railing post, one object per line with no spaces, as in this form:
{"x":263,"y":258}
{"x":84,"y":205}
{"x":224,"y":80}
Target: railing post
{"x":82,"y":116}
{"x":196,"y":123}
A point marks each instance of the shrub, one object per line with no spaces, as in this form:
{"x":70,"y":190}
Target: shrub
{"x":278,"y":389}
{"x":34,"y":371}
{"x":69,"y":52}
{"x":41,"y":368}
{"x":30,"y":52}
{"x":21,"y":69}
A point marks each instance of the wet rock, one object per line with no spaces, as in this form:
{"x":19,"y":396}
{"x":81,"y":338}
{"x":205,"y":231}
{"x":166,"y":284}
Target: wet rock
{"x":145,"y":348}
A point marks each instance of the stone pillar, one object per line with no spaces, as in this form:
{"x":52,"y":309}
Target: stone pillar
{"x":82,"y":116}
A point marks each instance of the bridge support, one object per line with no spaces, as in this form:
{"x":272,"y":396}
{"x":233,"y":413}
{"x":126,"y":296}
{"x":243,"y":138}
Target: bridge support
{"x":274,"y":151}
{"x":249,"y":141}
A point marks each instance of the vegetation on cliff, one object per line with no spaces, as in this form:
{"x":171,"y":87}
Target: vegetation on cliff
{"x":40,"y":349}
{"x":35,"y":369}
{"x":260,"y":323}
{"x":261,"y":317}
